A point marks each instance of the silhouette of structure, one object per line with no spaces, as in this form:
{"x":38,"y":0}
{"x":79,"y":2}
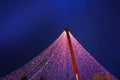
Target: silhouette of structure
{"x":65,"y":59}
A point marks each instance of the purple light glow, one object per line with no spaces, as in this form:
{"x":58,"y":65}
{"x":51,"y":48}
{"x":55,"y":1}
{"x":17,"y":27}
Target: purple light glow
{"x":55,"y":63}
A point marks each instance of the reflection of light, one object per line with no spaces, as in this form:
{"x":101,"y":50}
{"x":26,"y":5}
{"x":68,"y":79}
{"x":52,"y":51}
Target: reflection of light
{"x":76,"y":76}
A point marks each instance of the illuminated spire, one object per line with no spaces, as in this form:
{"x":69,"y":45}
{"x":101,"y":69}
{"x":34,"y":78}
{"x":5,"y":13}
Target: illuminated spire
{"x":62,"y":60}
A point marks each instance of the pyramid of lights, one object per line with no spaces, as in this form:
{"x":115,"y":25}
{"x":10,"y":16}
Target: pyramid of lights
{"x":64,"y":59}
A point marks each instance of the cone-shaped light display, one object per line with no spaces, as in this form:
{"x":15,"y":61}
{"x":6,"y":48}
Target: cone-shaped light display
{"x":64,"y":59}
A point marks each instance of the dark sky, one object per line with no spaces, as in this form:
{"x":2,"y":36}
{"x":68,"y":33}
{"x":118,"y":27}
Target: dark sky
{"x":27,"y":27}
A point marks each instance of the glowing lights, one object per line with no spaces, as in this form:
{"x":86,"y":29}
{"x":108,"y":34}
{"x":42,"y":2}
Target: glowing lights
{"x":55,"y":63}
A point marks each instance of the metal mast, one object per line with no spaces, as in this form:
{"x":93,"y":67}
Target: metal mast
{"x":74,"y":64}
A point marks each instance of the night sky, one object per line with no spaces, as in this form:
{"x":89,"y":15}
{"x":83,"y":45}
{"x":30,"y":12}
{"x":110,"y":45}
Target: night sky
{"x":27,"y":27}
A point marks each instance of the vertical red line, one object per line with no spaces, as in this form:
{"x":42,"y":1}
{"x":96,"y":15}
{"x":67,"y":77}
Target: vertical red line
{"x":74,"y":64}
